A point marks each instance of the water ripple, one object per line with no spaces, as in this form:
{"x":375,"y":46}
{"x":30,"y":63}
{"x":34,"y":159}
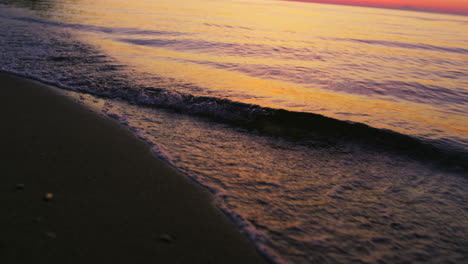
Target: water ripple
{"x":406,"y":45}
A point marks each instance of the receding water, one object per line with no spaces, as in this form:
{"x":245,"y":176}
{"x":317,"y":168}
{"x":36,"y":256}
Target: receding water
{"x":301,"y":199}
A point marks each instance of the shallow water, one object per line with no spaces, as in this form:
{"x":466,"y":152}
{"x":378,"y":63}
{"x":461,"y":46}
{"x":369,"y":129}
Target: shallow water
{"x":316,"y":198}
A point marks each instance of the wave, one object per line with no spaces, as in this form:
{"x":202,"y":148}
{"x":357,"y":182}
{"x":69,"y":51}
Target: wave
{"x":229,"y":49}
{"x":407,"y":45}
{"x":401,"y":90}
{"x":101,"y":29}
{"x":313,"y":130}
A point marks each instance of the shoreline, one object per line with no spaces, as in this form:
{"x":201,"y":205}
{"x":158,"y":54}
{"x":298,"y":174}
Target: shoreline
{"x":113,"y":200}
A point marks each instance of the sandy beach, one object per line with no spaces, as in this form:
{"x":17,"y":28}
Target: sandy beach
{"x":79,"y":188}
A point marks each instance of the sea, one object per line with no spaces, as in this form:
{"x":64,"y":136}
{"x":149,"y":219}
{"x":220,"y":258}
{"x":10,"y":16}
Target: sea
{"x":326,"y":133}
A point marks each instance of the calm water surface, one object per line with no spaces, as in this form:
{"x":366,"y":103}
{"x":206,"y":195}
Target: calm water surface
{"x":305,"y":200}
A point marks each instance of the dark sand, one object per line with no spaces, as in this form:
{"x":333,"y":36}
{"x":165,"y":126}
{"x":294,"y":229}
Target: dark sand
{"x":114,"y":202}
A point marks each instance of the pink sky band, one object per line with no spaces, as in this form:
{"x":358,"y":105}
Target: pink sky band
{"x":446,"y":6}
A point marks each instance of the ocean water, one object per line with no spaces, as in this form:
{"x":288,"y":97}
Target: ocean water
{"x":329,"y":134}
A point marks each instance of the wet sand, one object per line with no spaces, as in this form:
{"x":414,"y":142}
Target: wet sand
{"x":111,"y":200}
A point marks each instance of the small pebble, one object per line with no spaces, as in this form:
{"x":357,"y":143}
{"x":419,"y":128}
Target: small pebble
{"x":166,"y":238}
{"x":48,"y":196}
{"x":19,"y":186}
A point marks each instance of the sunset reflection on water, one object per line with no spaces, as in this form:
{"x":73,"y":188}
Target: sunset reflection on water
{"x":390,"y":69}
